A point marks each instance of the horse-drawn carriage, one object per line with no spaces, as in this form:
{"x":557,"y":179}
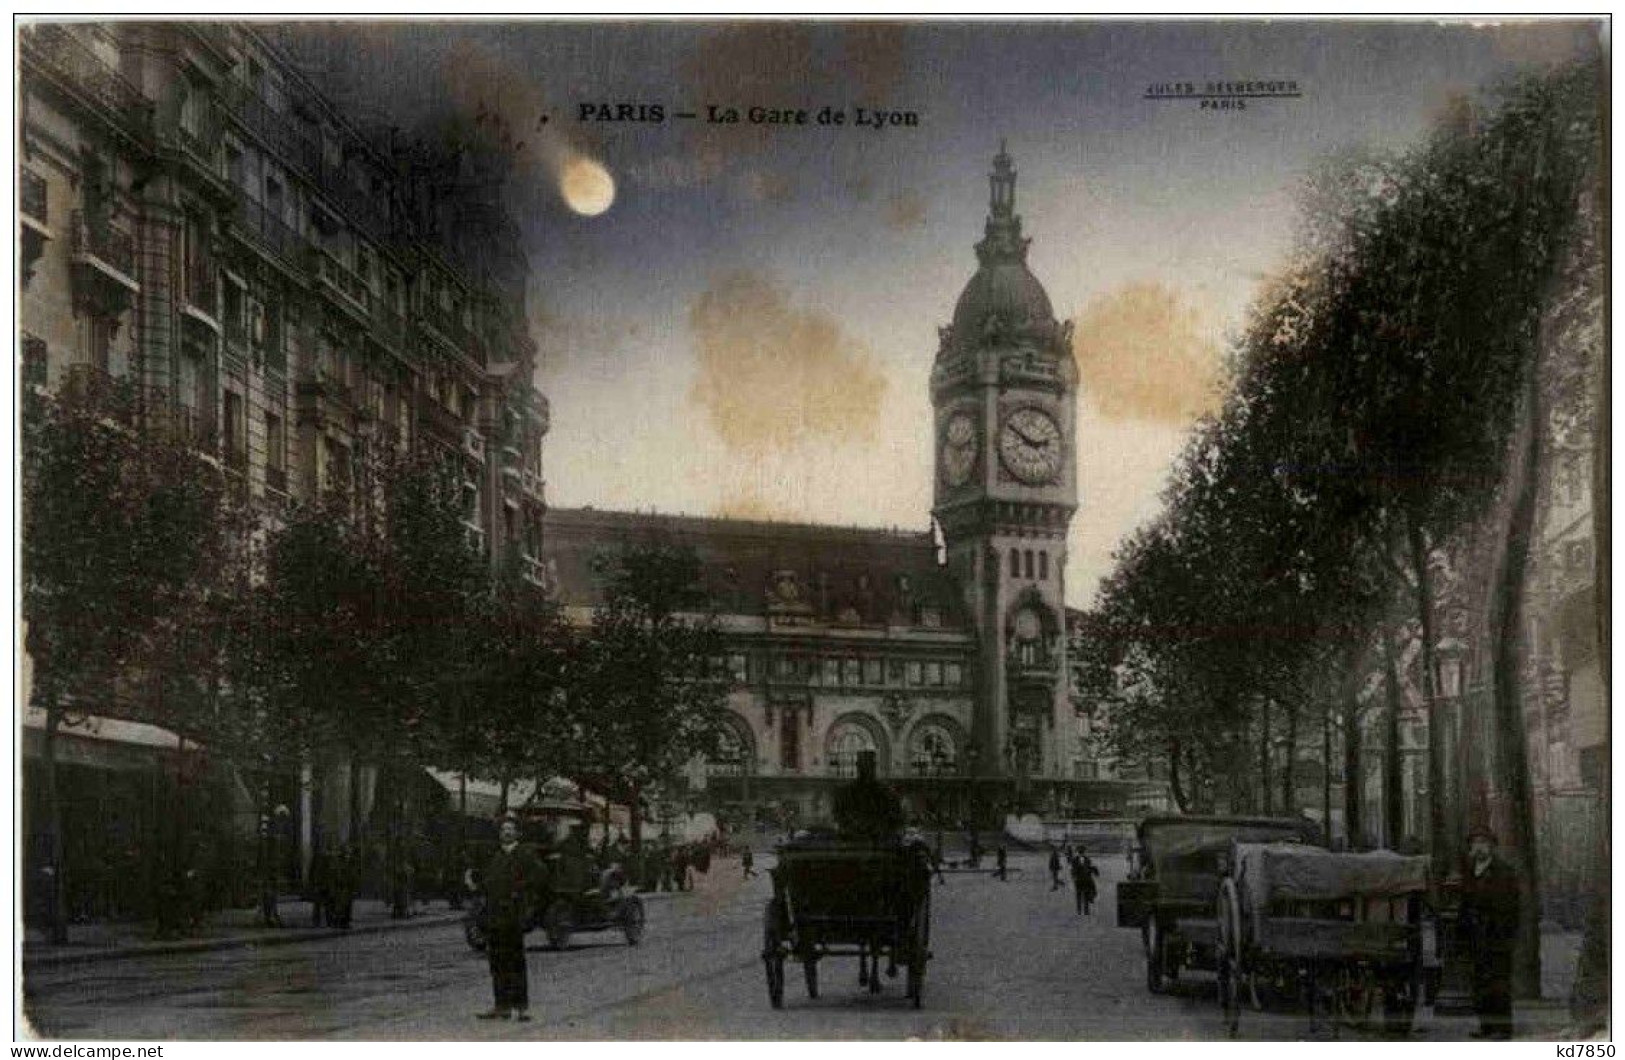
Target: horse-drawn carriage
{"x":840,"y":897}
{"x":1171,"y":897}
{"x":1341,"y":933}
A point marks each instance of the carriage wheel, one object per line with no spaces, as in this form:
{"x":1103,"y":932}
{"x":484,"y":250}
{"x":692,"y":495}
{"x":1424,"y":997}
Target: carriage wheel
{"x":773,"y":954}
{"x":919,"y":953}
{"x":1229,"y":956}
{"x":558,"y":923}
{"x":1155,"y":981}
{"x":632,"y":918}
{"x":809,"y":968}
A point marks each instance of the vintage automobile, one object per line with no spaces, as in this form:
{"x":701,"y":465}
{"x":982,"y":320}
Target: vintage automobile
{"x":1343,"y":934}
{"x":564,"y":909}
{"x":1173,"y":894}
{"x":576,"y":896}
{"x":843,"y":897}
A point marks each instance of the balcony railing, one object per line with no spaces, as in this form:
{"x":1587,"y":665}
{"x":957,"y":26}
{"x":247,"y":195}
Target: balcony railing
{"x":277,"y":129}
{"x":436,"y":417}
{"x":104,"y":241}
{"x":64,"y":54}
{"x":474,"y":444}
{"x":451,"y":328}
{"x":339,"y":278}
{"x":276,"y":478}
{"x":269,"y":230}
{"x":33,"y":196}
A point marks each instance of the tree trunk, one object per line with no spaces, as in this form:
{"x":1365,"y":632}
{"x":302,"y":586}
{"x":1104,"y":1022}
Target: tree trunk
{"x":635,"y":818}
{"x":1353,"y":814}
{"x":1589,"y":1004}
{"x":1393,"y":767}
{"x":1326,"y":773}
{"x":57,"y":885}
{"x":1442,"y":837}
{"x":1507,"y":629}
{"x":1289,"y":770}
{"x":1264,"y":787}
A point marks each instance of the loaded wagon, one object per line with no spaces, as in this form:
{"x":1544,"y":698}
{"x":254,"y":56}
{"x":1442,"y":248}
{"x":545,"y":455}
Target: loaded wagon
{"x":840,"y":897}
{"x":1172,"y":895}
{"x":1342,"y":933}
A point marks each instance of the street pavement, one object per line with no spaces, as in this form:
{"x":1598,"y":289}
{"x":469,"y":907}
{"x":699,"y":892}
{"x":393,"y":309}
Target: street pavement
{"x":1012,"y":960}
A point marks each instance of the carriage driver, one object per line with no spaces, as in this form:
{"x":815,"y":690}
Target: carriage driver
{"x":866,"y":808}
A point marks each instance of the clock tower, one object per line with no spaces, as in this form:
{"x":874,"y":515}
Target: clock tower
{"x":1003,"y":390}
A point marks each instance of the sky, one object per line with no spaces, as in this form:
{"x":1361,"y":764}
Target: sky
{"x":748,"y":328}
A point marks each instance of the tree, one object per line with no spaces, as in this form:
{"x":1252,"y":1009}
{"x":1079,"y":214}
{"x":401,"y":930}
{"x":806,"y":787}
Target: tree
{"x":649,"y":695}
{"x":121,"y":533}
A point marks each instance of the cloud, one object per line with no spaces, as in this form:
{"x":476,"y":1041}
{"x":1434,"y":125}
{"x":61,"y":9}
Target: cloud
{"x":772,"y":377}
{"x":1143,"y":353}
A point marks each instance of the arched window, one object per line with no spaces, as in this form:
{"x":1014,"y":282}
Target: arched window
{"x":1043,"y":566}
{"x":846,"y":742}
{"x":736,"y":751}
{"x":933,"y":751}
{"x":1027,"y":563}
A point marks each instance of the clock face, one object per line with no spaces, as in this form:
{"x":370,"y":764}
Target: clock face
{"x":958,"y":449}
{"x":1030,"y":446}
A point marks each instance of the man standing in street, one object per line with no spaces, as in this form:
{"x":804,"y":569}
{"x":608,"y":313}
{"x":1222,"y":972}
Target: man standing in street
{"x":1489,"y":924}
{"x":1002,"y":859}
{"x":511,"y":881}
{"x":1054,"y":868}
{"x":747,"y":858}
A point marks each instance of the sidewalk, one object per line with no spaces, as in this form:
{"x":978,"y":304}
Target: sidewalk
{"x":224,"y":929}
{"x":233,"y":929}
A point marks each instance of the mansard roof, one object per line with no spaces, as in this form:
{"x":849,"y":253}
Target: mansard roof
{"x":836,"y":575}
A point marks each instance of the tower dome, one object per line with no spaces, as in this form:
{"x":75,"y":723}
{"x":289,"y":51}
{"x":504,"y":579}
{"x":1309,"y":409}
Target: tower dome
{"x":1003,"y":297}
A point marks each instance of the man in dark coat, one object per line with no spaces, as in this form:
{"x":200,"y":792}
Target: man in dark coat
{"x":1489,"y":924}
{"x":1002,"y":858}
{"x":1054,"y":869}
{"x":511,"y":880}
{"x":1083,"y":882}
{"x":866,"y":808}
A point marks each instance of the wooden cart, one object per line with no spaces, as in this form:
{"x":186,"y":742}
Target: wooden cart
{"x":1340,"y":933}
{"x":1170,"y":897}
{"x":835,"y":897}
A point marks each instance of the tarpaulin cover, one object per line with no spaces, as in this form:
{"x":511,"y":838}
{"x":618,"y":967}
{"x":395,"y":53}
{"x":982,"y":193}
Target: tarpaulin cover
{"x":1306,"y":873}
{"x":1186,"y":853}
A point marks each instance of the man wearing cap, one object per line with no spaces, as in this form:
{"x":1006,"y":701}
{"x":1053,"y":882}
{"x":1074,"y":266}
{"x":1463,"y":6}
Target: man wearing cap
{"x":512,"y":878}
{"x":866,"y":808}
{"x":1489,"y":922}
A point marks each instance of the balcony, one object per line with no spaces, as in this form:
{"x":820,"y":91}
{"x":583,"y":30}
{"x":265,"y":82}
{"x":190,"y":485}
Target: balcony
{"x":449,"y":328}
{"x":264,"y":227}
{"x":86,"y":75}
{"x":105,"y":248}
{"x":34,"y":199}
{"x":436,"y":418}
{"x":473,"y":444}
{"x":280,"y":132}
{"x":349,"y":288}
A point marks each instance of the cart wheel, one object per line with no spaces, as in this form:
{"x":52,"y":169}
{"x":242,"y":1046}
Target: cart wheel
{"x":1229,"y":957}
{"x":1155,"y":981}
{"x":809,"y":969}
{"x":632,"y":919}
{"x":773,"y":954}
{"x":474,"y":933}
{"x":558,"y":923}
